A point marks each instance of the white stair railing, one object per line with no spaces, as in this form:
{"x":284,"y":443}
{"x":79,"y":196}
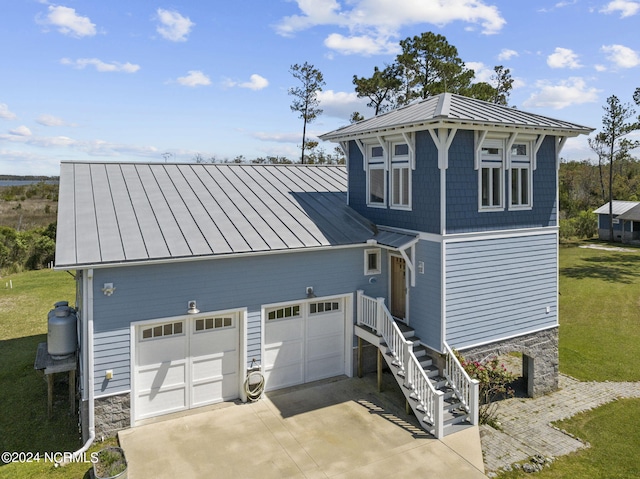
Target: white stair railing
{"x":374,"y":314}
{"x":467,"y":389}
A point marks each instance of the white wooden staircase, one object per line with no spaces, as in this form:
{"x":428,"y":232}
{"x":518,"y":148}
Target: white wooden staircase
{"x":440,"y":393}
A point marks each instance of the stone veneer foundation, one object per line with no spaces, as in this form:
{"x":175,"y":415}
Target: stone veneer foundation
{"x":112,"y":414}
{"x":539,"y":358}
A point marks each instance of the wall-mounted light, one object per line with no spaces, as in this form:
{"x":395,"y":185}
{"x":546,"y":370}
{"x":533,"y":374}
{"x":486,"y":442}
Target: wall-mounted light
{"x":310,"y":293}
{"x":108,"y":289}
{"x":192,"y":309}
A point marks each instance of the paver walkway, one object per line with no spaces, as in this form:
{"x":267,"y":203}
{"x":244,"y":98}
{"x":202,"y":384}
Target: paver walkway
{"x":526,"y":422}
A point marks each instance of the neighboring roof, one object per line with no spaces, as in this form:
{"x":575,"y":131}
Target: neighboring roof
{"x":115,"y":213}
{"x":448,"y":108}
{"x":619,"y":207}
{"x":631,"y":215}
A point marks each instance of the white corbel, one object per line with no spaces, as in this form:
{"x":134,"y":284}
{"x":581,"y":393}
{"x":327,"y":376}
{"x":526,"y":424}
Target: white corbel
{"x":408,"y":138}
{"x":385,"y":151}
{"x":345,"y":149}
{"x":363,"y":150}
{"x":410,"y":264}
{"x":536,"y":147}
{"x":443,"y":141}
{"x":510,"y":141}
{"x":561,"y":142}
{"x":480,"y":136}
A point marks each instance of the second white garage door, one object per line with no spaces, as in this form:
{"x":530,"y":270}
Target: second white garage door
{"x":304,"y":341}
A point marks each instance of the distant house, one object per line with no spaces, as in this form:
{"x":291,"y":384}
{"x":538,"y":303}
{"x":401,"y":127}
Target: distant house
{"x":626,"y":221}
{"x":441,"y":232}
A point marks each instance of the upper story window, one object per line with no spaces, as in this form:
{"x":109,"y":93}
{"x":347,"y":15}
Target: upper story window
{"x":388,"y":170}
{"x":376,"y":176}
{"x":520,"y":178}
{"x":491,"y":176}
{"x":400,"y":176}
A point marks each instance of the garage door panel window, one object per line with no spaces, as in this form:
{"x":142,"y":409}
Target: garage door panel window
{"x":163,"y":330}
{"x":324,"y":307}
{"x":207,"y":324}
{"x":284,"y":313}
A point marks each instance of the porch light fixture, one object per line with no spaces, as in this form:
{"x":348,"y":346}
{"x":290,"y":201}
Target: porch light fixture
{"x":192,"y":309}
{"x":310,"y":293}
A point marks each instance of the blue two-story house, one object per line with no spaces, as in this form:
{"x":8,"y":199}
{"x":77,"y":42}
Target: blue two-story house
{"x":441,"y":233}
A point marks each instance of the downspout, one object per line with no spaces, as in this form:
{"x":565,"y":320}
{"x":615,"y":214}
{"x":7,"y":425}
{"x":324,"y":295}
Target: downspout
{"x":87,"y":350}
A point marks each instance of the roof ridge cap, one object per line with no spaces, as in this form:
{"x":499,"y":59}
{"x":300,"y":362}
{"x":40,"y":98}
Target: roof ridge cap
{"x":444,"y":105}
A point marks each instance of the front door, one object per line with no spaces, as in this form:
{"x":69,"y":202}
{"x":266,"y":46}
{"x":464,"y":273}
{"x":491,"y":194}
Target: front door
{"x":398,"y":287}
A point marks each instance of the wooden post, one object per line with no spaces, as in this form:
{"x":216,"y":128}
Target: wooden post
{"x":359,"y":357}
{"x":379,"y":370}
{"x":72,"y":390}
{"x":49,"y":395}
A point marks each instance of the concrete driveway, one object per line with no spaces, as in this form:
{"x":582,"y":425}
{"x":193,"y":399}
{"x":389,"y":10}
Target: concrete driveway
{"x":340,"y":428}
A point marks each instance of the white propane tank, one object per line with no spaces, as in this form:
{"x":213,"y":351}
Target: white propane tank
{"x":61,"y":331}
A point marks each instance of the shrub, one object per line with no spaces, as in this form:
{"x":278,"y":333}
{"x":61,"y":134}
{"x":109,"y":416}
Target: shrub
{"x":495,"y":382}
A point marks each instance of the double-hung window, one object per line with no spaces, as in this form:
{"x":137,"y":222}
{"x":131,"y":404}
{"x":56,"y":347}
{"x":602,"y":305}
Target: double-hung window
{"x":400,"y":176}
{"x":491,"y":176}
{"x":376,"y":176}
{"x":520,"y":178}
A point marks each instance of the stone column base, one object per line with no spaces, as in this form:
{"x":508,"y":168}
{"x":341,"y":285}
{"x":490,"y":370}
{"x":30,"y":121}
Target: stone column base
{"x":540,"y":358}
{"x":112,"y":414}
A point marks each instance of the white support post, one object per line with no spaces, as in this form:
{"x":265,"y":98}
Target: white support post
{"x":438,"y":413}
{"x":379,"y":314}
{"x":474,"y":402}
{"x":359,"y":294}
{"x":406,"y":357}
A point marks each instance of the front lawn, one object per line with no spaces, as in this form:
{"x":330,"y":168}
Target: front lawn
{"x":599,"y":314}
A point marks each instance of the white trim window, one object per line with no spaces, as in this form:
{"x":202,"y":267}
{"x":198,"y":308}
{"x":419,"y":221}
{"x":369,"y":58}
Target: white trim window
{"x":372,"y":262}
{"x":491,"y":176}
{"x":400,"y":176}
{"x":520,"y":179}
{"x":376,"y":176}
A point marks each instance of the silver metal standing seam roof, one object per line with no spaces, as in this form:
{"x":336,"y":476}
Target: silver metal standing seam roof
{"x":118,"y":213}
{"x":632,"y":214}
{"x":454,"y":109}
{"x":619,"y":207}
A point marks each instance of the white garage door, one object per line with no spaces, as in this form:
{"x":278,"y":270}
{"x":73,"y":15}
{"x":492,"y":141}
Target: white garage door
{"x":304,"y":341}
{"x":185,"y":364}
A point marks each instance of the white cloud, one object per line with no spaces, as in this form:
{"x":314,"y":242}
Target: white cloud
{"x":69,"y":22}
{"x":373,"y":23}
{"x":361,"y":45}
{"x":563,"y":58}
{"x":340,"y":104}
{"x":5,"y":113}
{"x":627,"y":8}
{"x":623,"y":57}
{"x":20,"y":131}
{"x":194,"y":78}
{"x":277,"y":137}
{"x":573,"y":91}
{"x":101,"y":66}
{"x":50,"y":120}
{"x":600,"y":68}
{"x":256,"y":82}
{"x":507,"y":54}
{"x":173,"y":26}
{"x":482,"y":72}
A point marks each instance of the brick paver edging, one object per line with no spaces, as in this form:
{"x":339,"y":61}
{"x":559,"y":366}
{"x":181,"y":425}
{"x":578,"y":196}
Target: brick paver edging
{"x":526,"y":423}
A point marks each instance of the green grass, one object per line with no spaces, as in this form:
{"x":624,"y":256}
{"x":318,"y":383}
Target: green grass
{"x":614,"y":435}
{"x":599,"y":311}
{"x":24,"y":426}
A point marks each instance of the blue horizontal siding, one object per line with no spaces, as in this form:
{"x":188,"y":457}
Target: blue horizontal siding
{"x":159,"y":291}
{"x":425,"y":299}
{"x":111,"y":351}
{"x":498,"y":288}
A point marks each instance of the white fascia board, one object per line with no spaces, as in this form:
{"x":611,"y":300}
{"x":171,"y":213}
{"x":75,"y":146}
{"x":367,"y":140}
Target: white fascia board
{"x":515,"y":233}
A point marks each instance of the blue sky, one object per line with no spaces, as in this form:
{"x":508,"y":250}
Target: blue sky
{"x":131,"y":81}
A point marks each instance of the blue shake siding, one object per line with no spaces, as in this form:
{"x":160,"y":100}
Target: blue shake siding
{"x":461,"y":191}
{"x":498,"y":288}
{"x":163,"y":290}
